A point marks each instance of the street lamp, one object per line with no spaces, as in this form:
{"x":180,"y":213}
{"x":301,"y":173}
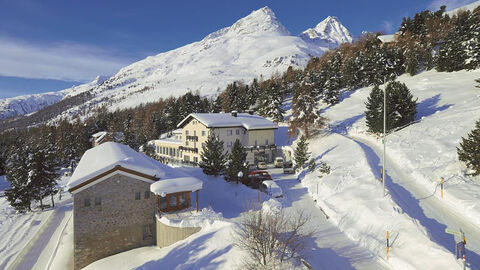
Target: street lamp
{"x":384,"y":134}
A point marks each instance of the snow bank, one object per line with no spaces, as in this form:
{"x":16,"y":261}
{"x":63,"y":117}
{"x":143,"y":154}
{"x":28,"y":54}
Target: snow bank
{"x":204,"y":218}
{"x":449,"y":106}
{"x":352,"y":197}
{"x":271,"y":206}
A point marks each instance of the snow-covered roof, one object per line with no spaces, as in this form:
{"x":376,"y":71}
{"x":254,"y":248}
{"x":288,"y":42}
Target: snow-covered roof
{"x":99,"y":136}
{"x":246,"y":120}
{"x":387,"y":38}
{"x":110,"y":155}
{"x":173,"y":185}
{"x":169,"y":140}
{"x":177,"y":131}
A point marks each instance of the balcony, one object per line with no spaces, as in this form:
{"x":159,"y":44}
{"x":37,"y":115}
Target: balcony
{"x":192,"y":138}
{"x":260,"y":148}
{"x":189,"y":149}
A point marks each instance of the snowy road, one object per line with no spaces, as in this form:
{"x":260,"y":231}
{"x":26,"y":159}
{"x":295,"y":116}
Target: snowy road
{"x":41,"y":249}
{"x":422,"y":205}
{"x":329,"y":242}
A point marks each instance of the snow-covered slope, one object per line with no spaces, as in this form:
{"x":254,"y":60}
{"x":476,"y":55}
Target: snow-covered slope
{"x":329,"y":33}
{"x":10,"y":107}
{"x":470,"y":7}
{"x":255,"y":45}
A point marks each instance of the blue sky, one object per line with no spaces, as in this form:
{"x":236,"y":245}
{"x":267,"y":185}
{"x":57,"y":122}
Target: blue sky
{"x":51,"y":45}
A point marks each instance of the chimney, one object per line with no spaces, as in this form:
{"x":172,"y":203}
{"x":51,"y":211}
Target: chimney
{"x":250,"y":112}
{"x":234,"y":113}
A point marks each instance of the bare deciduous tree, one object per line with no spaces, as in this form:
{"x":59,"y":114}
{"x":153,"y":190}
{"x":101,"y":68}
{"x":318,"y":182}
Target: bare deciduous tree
{"x":272,"y":239}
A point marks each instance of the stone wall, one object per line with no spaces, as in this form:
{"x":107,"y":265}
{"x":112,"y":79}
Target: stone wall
{"x":118,"y":224}
{"x":167,"y":235}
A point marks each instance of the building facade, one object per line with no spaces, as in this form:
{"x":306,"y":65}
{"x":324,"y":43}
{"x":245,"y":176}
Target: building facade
{"x":254,"y":132}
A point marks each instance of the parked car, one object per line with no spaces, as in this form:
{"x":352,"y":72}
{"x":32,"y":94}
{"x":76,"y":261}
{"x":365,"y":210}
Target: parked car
{"x":262,"y":165}
{"x":288,"y":167}
{"x":278,"y":162}
{"x":271,"y":188}
{"x":251,"y":167}
{"x":255,"y":178}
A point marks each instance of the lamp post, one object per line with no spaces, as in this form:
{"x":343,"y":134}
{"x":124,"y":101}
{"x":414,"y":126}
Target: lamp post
{"x":384,"y":135}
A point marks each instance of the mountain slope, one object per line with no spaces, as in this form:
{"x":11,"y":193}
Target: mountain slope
{"x":21,"y":105}
{"x":255,"y":45}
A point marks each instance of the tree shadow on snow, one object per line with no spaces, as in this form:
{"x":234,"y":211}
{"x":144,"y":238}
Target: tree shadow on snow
{"x":342,"y":126}
{"x":316,"y":255}
{"x":186,"y":253}
{"x":430,"y":106}
{"x":411,"y":206}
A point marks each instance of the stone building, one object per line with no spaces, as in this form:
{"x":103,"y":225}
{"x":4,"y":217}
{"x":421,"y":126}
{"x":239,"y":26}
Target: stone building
{"x":114,"y":209}
{"x":256,"y":133}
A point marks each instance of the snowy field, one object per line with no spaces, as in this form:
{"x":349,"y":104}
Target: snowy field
{"x":417,"y":156}
{"x":28,"y":239}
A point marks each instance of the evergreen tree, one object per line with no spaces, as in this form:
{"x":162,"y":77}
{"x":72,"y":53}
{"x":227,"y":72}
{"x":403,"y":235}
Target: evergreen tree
{"x":270,"y":102}
{"x":217,"y":104}
{"x":401,"y":107}
{"x":128,"y":132}
{"x":469,"y":150}
{"x":236,"y":162}
{"x":149,"y":150}
{"x":374,"y":112}
{"x":452,"y":55}
{"x":252,"y":93}
{"x":301,"y":154}
{"x":305,"y":114}
{"x":20,"y":193}
{"x":213,"y":158}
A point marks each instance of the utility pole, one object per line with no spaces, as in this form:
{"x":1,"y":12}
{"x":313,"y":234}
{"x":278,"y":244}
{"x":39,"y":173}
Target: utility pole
{"x":384,"y":135}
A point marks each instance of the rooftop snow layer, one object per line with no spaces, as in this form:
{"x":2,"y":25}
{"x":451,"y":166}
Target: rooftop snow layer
{"x":248,"y":121}
{"x":174,"y":185}
{"x":386,"y":38}
{"x":106,"y":156}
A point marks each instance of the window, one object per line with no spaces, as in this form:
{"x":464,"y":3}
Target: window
{"x":147,"y":194}
{"x":86,"y":202}
{"x":147,"y":232}
{"x":229,"y":132}
{"x":182,"y":200}
{"x":187,"y":158}
{"x":203,"y":145}
{"x":172,"y":201}
{"x":137,"y":195}
{"x":204,"y":133}
{"x":98,"y":201}
{"x":266,"y":142}
{"x":186,"y":143}
{"x":229,"y":144}
{"x":256,"y":143}
{"x":163,"y":203}
{"x":195,"y":159}
{"x":237,"y":131}
{"x":186,"y":132}
{"x":194,"y":133}
{"x":158,"y":149}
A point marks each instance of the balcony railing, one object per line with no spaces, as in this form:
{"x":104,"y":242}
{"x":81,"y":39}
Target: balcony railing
{"x":189,"y":149}
{"x":259,"y":148}
{"x":192,"y":138}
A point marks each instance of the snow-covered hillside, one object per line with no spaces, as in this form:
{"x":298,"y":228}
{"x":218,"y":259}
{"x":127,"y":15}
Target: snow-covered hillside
{"x":470,"y":7}
{"x":10,"y":107}
{"x":255,"y":45}
{"x":329,"y":33}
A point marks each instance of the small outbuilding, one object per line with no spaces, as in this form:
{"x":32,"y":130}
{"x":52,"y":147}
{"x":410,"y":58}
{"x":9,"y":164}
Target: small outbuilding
{"x":118,"y":194}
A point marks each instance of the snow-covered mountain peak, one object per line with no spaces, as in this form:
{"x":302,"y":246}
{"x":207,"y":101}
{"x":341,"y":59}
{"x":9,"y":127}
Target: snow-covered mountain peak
{"x":260,"y":22}
{"x":329,"y":33}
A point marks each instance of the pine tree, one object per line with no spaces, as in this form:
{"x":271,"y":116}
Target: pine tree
{"x":305,"y":114}
{"x":128,"y":132}
{"x":374,"y":112}
{"x":401,"y":107}
{"x":469,"y":150}
{"x":213,"y":157}
{"x":20,"y":194}
{"x":236,"y":162}
{"x":252,"y":93}
{"x":270,"y":102}
{"x":452,"y":55}
{"x":301,"y":154}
